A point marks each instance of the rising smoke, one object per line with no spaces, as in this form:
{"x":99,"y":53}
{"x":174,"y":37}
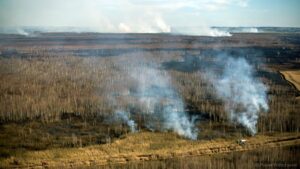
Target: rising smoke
{"x":163,"y":106}
{"x":124,"y":117}
{"x":158,"y":102}
{"x":119,"y":16}
{"x":243,"y":95}
{"x":163,"y":109}
{"x":200,"y":31}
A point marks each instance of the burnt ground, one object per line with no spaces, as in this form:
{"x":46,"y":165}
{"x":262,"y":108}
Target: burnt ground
{"x":274,"y":51}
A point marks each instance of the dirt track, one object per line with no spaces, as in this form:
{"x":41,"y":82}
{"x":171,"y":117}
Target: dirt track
{"x":92,"y":156}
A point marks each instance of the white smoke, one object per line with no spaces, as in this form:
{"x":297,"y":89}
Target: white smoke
{"x":22,"y":32}
{"x":200,"y":31}
{"x":244,"y":96}
{"x":15,"y":30}
{"x":250,"y":30}
{"x":145,"y":24}
{"x":162,"y":25}
{"x":123,"y":117}
{"x":163,"y":107}
{"x":118,"y":16}
{"x":124,"y":28}
{"x":240,"y":29}
{"x":215,"y":32}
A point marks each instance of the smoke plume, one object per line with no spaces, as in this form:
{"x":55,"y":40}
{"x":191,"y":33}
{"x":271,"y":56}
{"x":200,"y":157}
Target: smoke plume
{"x":243,"y":95}
{"x":123,"y":117}
{"x":163,"y":107}
{"x":155,"y":100}
{"x":200,"y":31}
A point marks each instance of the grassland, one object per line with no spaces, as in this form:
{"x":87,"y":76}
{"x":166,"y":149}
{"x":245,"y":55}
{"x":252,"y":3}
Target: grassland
{"x":56,"y":96}
{"x":293,"y":77}
{"x":144,"y":146}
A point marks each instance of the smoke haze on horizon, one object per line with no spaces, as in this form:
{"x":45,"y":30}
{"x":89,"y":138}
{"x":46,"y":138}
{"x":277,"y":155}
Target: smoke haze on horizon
{"x":147,"y":16}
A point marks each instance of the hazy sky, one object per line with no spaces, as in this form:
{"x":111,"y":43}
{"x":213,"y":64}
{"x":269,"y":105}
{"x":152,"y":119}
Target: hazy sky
{"x":147,"y":15}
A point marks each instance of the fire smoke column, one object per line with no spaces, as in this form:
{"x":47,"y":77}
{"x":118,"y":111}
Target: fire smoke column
{"x":244,"y":96}
{"x":163,"y":107}
{"x":124,"y":117}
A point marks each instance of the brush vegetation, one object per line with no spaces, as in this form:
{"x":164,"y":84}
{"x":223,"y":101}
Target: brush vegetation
{"x":58,"y":94}
{"x":53,"y":88}
{"x":144,"y":146}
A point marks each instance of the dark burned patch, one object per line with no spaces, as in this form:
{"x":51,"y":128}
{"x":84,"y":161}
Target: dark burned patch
{"x":102,"y":52}
{"x":71,"y":115}
{"x":207,"y":59}
{"x":211,"y":59}
{"x":8,"y":53}
{"x":274,"y":76}
{"x":70,"y":131}
{"x":13,"y":53}
{"x":190,"y":63}
{"x":295,"y":39}
{"x":209,"y":131}
{"x":258,"y":55}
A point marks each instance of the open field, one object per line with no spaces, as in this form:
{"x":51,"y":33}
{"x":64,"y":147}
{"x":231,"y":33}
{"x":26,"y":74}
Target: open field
{"x":145,"y":146}
{"x":293,"y":77}
{"x":59,"y":90}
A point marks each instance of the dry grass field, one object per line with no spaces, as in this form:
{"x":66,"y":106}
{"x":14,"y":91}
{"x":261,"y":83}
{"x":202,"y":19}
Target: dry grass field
{"x":58,"y":92}
{"x":144,"y":146}
{"x":293,"y":77}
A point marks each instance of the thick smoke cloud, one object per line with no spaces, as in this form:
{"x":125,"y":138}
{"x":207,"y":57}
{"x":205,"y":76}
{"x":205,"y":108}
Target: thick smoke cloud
{"x":157,"y":102}
{"x":154,"y":97}
{"x":243,"y":95}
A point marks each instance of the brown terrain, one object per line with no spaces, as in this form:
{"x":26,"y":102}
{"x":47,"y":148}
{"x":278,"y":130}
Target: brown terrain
{"x":293,"y":77}
{"x":145,"y":146}
{"x":56,"y":96}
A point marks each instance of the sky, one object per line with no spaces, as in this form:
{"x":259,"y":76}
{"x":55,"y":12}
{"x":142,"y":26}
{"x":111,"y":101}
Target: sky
{"x":148,"y":15}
